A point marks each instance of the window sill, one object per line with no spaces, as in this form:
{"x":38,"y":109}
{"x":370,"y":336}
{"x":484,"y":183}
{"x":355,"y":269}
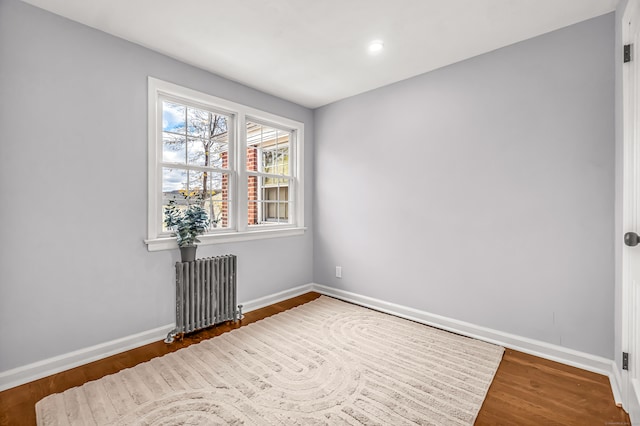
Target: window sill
{"x":168,"y":243}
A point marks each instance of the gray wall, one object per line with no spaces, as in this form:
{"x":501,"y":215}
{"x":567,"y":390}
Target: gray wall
{"x":73,"y":178}
{"x":483,"y":191}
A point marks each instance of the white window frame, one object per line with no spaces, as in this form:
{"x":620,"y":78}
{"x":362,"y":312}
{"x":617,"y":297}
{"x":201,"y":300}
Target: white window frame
{"x":238,"y":230}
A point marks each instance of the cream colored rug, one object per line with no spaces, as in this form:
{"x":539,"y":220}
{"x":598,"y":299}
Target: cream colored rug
{"x":323,"y":363}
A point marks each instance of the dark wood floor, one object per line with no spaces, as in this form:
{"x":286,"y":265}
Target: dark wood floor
{"x":525,"y":391}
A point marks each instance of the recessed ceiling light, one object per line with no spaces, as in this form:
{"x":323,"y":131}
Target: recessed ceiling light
{"x":376,"y":47}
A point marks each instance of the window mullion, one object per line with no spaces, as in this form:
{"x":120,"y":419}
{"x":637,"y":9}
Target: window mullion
{"x":232,"y":184}
{"x":242,"y":203}
{"x":292,"y":194}
{"x":193,"y":167}
{"x":269,"y":175}
{"x":296,"y":209}
{"x":278,"y":201}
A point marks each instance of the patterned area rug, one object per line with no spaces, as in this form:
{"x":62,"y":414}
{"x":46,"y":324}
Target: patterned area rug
{"x":323,"y":363}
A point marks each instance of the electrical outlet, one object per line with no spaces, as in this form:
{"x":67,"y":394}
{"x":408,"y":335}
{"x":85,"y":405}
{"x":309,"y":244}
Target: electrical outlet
{"x":338,"y":271}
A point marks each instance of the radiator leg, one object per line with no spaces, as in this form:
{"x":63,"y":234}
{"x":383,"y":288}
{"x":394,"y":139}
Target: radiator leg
{"x":240,"y":316}
{"x":170,"y":336}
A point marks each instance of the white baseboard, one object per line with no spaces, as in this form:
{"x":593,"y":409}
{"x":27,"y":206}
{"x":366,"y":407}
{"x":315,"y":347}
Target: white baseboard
{"x":616,"y":383}
{"x":261,"y":302}
{"x":37,"y":370}
{"x":538,"y":348}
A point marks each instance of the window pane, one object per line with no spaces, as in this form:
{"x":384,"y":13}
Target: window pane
{"x":268,"y":200}
{"x":219,"y":214}
{"x":282,"y":160}
{"x":268,"y":213}
{"x":205,"y":124}
{"x":283,"y":212}
{"x":216,"y":201}
{"x":269,"y":161}
{"x":252,"y":159}
{"x":173,"y":148}
{"x":276,"y":161}
{"x":173,"y":117}
{"x":210,"y":190}
{"x":208,"y":153}
{"x":219,"y":155}
{"x":172,"y":190}
{"x":267,"y":149}
{"x":204,"y":185}
{"x":173,"y":180}
{"x":196,"y":152}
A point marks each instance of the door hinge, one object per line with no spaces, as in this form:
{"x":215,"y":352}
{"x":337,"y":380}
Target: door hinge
{"x":627,"y":53}
{"x":625,"y":360}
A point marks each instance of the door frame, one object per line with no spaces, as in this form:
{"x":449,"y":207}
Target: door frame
{"x":630,"y":314}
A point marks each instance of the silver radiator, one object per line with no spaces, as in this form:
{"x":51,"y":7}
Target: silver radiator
{"x":205,"y":294}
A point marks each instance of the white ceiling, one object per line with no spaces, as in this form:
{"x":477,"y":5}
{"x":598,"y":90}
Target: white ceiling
{"x":314,"y":52}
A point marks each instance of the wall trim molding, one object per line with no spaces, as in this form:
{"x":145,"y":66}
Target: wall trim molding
{"x":270,"y":299}
{"x":46,"y":367}
{"x":538,"y":348}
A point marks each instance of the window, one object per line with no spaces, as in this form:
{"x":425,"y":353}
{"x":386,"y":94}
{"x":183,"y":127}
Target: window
{"x":268,"y":174}
{"x":244,"y":166}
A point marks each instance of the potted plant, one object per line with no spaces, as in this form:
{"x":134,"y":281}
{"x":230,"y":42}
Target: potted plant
{"x":186,"y":224}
